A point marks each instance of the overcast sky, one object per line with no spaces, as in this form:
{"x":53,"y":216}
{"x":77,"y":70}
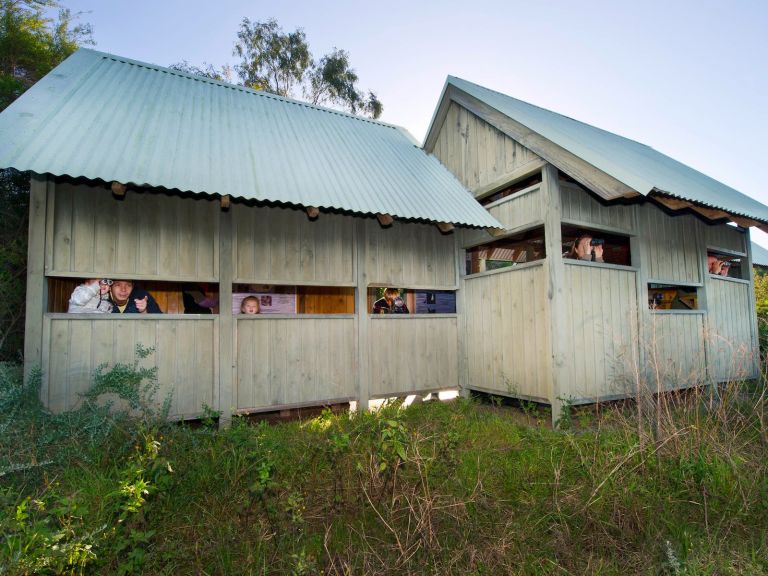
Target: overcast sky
{"x":688,"y":78}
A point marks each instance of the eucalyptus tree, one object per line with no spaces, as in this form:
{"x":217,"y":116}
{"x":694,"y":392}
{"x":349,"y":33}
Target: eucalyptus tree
{"x":281,"y":62}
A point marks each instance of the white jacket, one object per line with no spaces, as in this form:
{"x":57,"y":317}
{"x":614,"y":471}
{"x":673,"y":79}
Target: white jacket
{"x":86,"y":299}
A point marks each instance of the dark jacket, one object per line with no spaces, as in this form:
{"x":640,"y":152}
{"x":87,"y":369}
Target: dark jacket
{"x":138,"y":294}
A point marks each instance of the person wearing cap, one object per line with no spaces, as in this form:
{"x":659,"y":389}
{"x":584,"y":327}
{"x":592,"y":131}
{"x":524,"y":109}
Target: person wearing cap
{"x":91,"y":297}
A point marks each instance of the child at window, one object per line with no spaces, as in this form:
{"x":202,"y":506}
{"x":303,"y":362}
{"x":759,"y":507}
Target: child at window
{"x":250,"y":305}
{"x":91,"y":297}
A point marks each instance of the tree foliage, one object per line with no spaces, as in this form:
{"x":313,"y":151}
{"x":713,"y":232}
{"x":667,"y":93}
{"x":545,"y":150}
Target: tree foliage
{"x":223,"y":74}
{"x":281,"y":62}
{"x":31,"y":45}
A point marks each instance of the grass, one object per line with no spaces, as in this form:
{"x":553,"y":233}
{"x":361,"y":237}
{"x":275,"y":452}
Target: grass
{"x":437,"y":488}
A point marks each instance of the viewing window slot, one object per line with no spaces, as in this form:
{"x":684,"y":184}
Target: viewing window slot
{"x":595,"y":245}
{"x":518,"y":249}
{"x":672,"y":297}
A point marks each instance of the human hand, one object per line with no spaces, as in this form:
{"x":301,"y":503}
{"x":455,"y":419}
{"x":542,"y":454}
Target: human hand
{"x":598,"y":252}
{"x":583,"y":249}
{"x":141,"y":304}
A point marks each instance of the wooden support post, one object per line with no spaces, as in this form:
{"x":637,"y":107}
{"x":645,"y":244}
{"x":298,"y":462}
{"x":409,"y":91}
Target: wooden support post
{"x":119,"y":189}
{"x":36,"y":282}
{"x":445,"y":227}
{"x":225,"y":202}
{"x":313,"y":212}
{"x":461,"y":317}
{"x":746,"y":265}
{"x":227,"y":322}
{"x":385,"y":219}
{"x":560,"y":385}
{"x":363,"y":319}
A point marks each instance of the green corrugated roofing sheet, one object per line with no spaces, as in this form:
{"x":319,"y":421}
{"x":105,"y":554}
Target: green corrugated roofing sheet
{"x":104,"y":117}
{"x":638,"y":166}
{"x":759,"y":255}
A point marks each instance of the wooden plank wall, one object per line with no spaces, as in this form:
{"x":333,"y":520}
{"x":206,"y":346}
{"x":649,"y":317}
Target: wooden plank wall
{"x":412,"y":354}
{"x":284,"y":361}
{"x":476,"y":152}
{"x":673,"y":344}
{"x":281,"y":245}
{"x":730,"y":328}
{"x":409,"y":256}
{"x":184,"y":355}
{"x":513,"y":211}
{"x":142,"y":235}
{"x":507,"y":335}
{"x":672,"y":250}
{"x":579,"y":206}
{"x":601,"y":309}
{"x":725,"y":237}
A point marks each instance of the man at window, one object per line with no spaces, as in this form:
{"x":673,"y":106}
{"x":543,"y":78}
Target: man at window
{"x":128,"y":299}
{"x":390,"y":303}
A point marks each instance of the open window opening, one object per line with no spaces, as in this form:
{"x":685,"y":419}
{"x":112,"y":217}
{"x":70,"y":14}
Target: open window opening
{"x":725,"y":265}
{"x":392,"y":300}
{"x":592,"y":245}
{"x":124,"y":295}
{"x":672,"y":297}
{"x":518,"y":249}
{"x":251,"y":299}
{"x":511,"y":189}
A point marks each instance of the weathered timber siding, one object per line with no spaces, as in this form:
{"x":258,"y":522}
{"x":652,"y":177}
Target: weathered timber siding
{"x":601,"y":309}
{"x":412,"y":354}
{"x":476,"y":152}
{"x":409,"y":256}
{"x":730,"y":329}
{"x":184,"y":355}
{"x":281,"y":245}
{"x":672,"y":251}
{"x":725,"y":237}
{"x":579,"y":206}
{"x":506,"y":332}
{"x":674,"y":350}
{"x":285,"y":361}
{"x":514,"y":212}
{"x":143,"y":235}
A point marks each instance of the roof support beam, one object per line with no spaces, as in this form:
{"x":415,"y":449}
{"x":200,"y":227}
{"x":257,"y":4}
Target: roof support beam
{"x":445,"y":227}
{"x":225,"y":202}
{"x":313,"y":212}
{"x":385,"y":219}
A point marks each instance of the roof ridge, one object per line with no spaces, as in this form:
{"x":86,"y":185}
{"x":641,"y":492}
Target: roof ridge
{"x":237,"y":87}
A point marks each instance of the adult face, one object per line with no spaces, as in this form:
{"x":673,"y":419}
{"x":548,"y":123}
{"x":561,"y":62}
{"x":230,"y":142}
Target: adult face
{"x":583,"y":246}
{"x":121,"y":289}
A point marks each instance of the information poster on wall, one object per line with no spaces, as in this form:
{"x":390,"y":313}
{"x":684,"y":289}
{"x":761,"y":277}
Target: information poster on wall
{"x":271,"y":299}
{"x":435,"y":302}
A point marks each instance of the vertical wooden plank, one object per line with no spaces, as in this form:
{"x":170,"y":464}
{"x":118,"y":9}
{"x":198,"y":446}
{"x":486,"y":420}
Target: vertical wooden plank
{"x":227,"y":325}
{"x":362,"y":316}
{"x":556,"y":271}
{"x":36,"y":284}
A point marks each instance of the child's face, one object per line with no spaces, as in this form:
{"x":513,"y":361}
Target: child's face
{"x":250,"y":307}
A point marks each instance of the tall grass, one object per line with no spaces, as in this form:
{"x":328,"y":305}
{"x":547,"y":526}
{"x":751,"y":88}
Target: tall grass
{"x":437,"y":488}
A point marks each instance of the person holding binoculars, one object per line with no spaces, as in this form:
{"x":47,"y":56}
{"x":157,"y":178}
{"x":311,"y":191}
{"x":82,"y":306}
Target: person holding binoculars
{"x":91,"y":297}
{"x":586,"y":247}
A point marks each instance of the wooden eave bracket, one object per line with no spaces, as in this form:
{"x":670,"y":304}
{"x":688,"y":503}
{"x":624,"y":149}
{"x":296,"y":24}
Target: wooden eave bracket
{"x":118,"y":189}
{"x":712,"y":214}
{"x":313,"y":212}
{"x":385,"y":219}
{"x":225,"y":200}
{"x":445,"y":227}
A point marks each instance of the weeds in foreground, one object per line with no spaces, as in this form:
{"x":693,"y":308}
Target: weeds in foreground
{"x":434,"y":488}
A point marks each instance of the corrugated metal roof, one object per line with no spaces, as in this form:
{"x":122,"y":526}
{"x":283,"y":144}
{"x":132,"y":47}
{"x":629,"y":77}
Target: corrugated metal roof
{"x":638,"y":166}
{"x":759,"y":255}
{"x":104,"y":117}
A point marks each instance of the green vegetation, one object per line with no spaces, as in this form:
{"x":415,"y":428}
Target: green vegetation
{"x":438,"y":488}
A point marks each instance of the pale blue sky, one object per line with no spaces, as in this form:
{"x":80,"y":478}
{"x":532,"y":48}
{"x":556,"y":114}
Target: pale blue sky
{"x":688,"y":78}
